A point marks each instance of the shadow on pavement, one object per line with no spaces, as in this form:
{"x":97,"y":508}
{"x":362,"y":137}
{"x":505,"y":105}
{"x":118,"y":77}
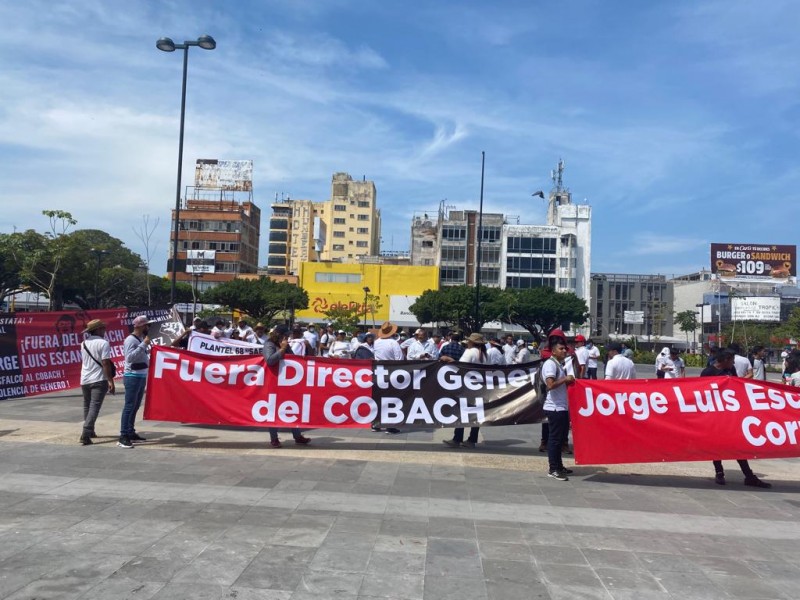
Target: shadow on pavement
{"x":691,"y":482}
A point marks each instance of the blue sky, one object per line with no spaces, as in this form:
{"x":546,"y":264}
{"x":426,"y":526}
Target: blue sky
{"x":678,"y":120}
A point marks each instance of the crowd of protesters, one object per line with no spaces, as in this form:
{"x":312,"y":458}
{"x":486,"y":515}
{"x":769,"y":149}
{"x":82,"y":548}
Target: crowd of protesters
{"x":562,"y":363}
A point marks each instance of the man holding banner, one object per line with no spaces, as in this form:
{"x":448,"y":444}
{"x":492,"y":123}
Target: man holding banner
{"x":724,"y":365}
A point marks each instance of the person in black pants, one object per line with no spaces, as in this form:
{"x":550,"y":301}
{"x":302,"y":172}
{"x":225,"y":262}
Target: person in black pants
{"x":556,"y":408}
{"x":723,"y":365}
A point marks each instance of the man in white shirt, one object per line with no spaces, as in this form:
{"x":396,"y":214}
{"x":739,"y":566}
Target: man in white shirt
{"x":556,"y":408}
{"x":494,"y":354}
{"x":592,"y":354}
{"x":675,"y":367}
{"x":759,"y":366}
{"x":221,"y":330}
{"x":523,"y":355}
{"x":386,"y":347}
{"x":326,"y":340}
{"x":422,"y":348}
{"x":581,"y":357}
{"x":312,"y":337}
{"x":246,"y":333}
{"x":743,"y":367}
{"x":97,"y":378}
{"x":618,"y":366}
{"x":509,"y":349}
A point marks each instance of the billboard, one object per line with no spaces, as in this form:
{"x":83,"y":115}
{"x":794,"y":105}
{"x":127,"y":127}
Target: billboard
{"x":756,"y":308}
{"x":754,"y":262}
{"x":200,"y":261}
{"x":232,"y":175}
{"x":634,"y":317}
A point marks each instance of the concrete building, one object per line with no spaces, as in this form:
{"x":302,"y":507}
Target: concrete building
{"x":612,"y":294}
{"x":556,"y":255}
{"x":344,"y":228}
{"x":218,"y":237}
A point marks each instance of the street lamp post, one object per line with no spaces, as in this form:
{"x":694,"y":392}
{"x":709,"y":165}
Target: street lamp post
{"x":366,"y":297}
{"x":99,"y":254}
{"x":165,"y":44}
{"x":478,"y":256}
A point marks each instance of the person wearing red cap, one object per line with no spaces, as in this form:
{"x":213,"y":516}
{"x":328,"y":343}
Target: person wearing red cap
{"x":554,"y":335}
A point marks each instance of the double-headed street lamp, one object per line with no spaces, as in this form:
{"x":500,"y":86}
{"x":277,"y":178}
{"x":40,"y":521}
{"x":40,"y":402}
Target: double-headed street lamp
{"x":165,"y":44}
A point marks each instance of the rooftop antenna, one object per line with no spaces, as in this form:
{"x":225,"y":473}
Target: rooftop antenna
{"x":557,"y":176}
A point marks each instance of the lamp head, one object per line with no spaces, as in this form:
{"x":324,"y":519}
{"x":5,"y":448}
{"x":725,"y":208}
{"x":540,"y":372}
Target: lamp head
{"x":165,"y":44}
{"x":206,"y":42}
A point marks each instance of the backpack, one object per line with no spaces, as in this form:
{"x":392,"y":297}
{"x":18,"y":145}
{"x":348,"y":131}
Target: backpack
{"x":363,"y":352}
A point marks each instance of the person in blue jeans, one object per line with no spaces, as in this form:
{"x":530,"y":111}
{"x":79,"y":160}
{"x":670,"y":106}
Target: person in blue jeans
{"x":556,"y":408}
{"x":136,"y":349}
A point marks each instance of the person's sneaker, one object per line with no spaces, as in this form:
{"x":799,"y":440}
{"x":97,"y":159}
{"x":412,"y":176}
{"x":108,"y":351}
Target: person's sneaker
{"x":135,"y":437}
{"x":451,"y":443}
{"x":558,"y":475}
{"x":719,"y":478}
{"x":754,"y":481}
{"x":393,"y":431}
{"x":86,"y":440}
{"x":468,"y":444}
{"x":125,"y":442}
{"x":302,"y":440}
{"x":93,"y":435}
{"x":275,"y":443}
{"x":566,"y":471}
{"x":376,"y":429}
{"x":543,"y":447}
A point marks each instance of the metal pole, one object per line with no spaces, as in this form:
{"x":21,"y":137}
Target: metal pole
{"x":172,"y":293}
{"x":96,"y":280}
{"x":478,"y":258}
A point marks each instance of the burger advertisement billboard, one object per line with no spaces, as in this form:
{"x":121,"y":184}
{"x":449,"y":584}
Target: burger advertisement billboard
{"x":754,"y":262}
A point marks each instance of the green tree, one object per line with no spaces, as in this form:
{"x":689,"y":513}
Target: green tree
{"x":261,"y":299}
{"x":40,"y":256}
{"x":455,"y":307}
{"x":541,"y":309}
{"x":345,"y":318}
{"x":687,"y":321}
{"x":10,"y":280}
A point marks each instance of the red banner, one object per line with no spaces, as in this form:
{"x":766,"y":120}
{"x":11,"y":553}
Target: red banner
{"x":703,"y":418}
{"x":191,"y":387}
{"x":40,"y":352}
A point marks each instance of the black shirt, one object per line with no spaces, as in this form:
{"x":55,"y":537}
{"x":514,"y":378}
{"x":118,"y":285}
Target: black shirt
{"x":712,"y":371}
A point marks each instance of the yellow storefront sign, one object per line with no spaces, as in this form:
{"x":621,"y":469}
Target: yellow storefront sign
{"x":331,"y":285}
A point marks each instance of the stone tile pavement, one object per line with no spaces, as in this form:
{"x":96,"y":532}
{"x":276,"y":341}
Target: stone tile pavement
{"x":201,"y":512}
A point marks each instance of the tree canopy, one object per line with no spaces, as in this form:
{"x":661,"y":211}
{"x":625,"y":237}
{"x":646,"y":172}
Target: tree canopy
{"x":686,"y":320}
{"x":261,"y":299}
{"x":455,"y":307}
{"x":542,"y":309}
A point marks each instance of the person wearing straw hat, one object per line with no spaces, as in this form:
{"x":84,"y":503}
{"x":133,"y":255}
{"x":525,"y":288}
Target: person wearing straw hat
{"x":475,"y":353}
{"x":97,"y":375}
{"x":386,"y":347}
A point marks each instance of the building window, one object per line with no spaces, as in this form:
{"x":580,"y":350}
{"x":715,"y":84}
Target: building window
{"x":490,"y":256}
{"x":454,"y":253}
{"x":427,"y":243}
{"x":362,"y":230}
{"x":272,"y":261}
{"x":427,"y":262}
{"x":277,"y":249}
{"x":532,"y":244}
{"x":490,"y":233}
{"x":523,"y":283}
{"x":195,"y":245}
{"x":340,"y":207}
{"x":454,"y":232}
{"x":363,"y":204}
{"x":337,"y":277}
{"x":530,"y":264}
{"x":339,"y":221}
{"x":279,"y":224}
{"x":278,"y":236}
{"x":565,"y":263}
{"x":338,"y":247}
{"x":363,"y":217}
{"x":362,"y":244}
{"x":568,"y":284}
{"x":452,"y":274}
{"x":338,"y":234}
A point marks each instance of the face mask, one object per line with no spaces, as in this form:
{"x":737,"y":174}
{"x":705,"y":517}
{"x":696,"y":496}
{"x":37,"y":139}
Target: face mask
{"x":145,"y":330}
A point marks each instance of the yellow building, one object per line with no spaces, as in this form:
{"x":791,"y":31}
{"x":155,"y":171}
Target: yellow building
{"x":331,"y":283}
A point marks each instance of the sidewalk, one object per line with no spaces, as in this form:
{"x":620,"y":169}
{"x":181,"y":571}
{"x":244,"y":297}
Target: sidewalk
{"x":214,"y":512}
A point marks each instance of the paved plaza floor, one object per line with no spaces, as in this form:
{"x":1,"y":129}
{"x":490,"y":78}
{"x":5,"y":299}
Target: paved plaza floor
{"x":214,"y":512}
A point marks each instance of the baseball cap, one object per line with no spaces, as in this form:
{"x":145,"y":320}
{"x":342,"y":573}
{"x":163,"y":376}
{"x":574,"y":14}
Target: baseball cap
{"x":140,"y":321}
